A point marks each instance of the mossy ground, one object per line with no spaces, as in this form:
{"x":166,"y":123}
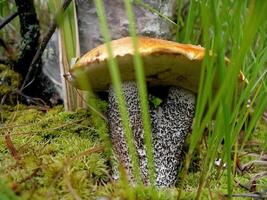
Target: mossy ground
{"x":52,"y":154}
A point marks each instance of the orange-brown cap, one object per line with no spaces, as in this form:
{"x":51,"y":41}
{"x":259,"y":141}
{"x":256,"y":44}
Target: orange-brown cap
{"x":165,"y":63}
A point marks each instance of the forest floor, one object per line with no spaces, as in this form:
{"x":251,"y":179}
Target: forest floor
{"x":47,"y":153}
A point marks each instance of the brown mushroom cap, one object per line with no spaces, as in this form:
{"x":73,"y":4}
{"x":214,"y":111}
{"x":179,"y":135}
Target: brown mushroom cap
{"x":165,"y":63}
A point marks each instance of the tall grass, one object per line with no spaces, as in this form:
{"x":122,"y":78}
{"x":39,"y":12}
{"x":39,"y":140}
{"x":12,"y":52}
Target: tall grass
{"x":141,"y":83}
{"x":229,"y":103}
{"x":236,"y":29}
{"x":68,"y":50}
{"x":116,"y":82}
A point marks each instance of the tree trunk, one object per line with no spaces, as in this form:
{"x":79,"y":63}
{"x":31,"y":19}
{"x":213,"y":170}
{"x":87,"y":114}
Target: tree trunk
{"x":38,"y":84}
{"x":30,"y":33}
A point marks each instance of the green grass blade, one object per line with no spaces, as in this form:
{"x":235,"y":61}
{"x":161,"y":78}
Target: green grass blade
{"x":223,"y":104}
{"x":141,"y":83}
{"x":116,"y":82}
{"x":190,"y":22}
{"x":151,"y":9}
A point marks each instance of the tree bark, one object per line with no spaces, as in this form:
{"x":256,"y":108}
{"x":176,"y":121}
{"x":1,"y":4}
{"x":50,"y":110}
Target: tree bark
{"x":29,"y":64}
{"x":30,"y":33}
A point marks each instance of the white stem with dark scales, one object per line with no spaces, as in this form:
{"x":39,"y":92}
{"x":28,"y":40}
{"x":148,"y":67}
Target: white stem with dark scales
{"x":170,"y":124}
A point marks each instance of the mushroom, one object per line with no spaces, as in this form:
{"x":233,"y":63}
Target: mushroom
{"x":165,"y":63}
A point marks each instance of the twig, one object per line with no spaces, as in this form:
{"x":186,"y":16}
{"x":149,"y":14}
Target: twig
{"x":154,"y":11}
{"x":256,"y":195}
{"x":89,"y":151}
{"x":3,"y":44}
{"x":49,"y":129}
{"x":71,"y":189}
{"x":69,"y":162}
{"x":9,"y":19}
{"x":241,"y":185}
{"x":91,"y":107}
{"x":33,"y":99}
{"x":44,"y":42}
{"x":34,"y":173}
{"x":11,"y":147}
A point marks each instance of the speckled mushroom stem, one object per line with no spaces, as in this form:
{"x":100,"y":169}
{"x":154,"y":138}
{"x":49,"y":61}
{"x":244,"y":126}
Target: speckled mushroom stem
{"x":117,"y":133}
{"x":170,"y":124}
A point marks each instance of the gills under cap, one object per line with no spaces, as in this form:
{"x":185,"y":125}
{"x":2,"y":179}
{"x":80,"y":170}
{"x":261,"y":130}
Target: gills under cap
{"x":165,"y":63}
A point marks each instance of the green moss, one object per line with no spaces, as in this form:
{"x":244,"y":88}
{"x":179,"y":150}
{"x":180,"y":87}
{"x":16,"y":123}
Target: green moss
{"x":46,"y":142}
{"x":49,"y":142}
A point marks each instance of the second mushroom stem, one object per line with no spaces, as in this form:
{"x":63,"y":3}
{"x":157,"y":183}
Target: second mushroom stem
{"x":171,"y":123}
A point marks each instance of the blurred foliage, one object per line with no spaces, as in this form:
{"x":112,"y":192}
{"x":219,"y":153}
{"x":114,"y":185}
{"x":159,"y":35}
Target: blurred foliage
{"x":9,"y":83}
{"x":10,"y":34}
{"x":6,"y":193}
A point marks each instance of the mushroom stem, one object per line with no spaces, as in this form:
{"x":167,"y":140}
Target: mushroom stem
{"x":117,"y":133}
{"x":170,"y":123}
